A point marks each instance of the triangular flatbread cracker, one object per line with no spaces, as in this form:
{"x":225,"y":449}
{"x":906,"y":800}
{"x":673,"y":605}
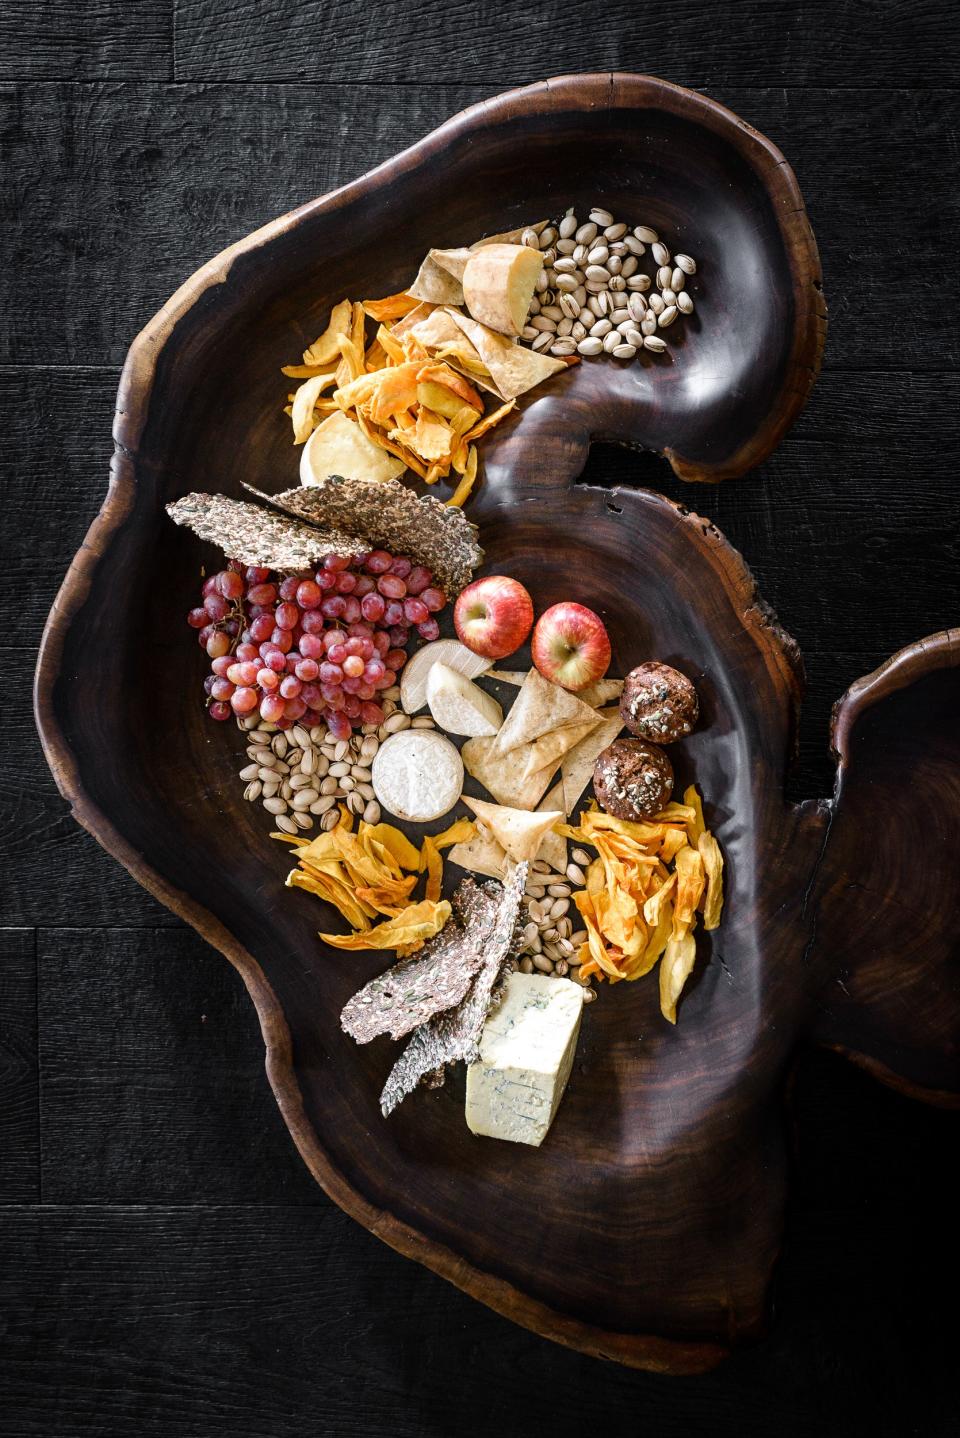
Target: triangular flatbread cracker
{"x":576,"y":769}
{"x":517,"y":830}
{"x":603,"y":692}
{"x":553,"y":846}
{"x":513,"y":368}
{"x":481,"y":855}
{"x":549,"y":749}
{"x":502,"y":774}
{"x":541,"y":708}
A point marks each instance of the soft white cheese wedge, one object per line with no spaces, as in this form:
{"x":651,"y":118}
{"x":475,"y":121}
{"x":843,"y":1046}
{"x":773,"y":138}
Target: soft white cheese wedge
{"x":526,"y":1053}
{"x":460,"y":706}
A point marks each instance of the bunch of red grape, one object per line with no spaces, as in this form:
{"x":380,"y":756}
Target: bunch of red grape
{"x":316,"y":647}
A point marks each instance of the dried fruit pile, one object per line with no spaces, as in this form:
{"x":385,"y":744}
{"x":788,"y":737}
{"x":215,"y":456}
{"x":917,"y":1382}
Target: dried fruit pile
{"x":318,"y":645}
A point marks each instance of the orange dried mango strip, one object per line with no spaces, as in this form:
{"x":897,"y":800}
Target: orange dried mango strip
{"x":431,"y":861}
{"x":392,"y":307}
{"x":412,"y":926}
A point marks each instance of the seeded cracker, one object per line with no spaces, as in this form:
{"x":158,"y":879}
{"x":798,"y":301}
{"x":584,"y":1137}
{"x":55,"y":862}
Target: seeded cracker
{"x":387,"y":513}
{"x":255,"y":536}
{"x":434,"y":979}
{"x":454,"y":1036}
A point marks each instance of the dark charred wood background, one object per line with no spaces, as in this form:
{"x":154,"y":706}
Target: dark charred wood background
{"x":167,"y":1268}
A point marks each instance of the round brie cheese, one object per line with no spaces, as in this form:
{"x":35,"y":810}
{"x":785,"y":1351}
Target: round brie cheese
{"x":417,"y":775}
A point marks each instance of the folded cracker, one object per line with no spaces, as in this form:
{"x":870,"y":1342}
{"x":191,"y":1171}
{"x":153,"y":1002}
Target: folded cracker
{"x":255,"y":536}
{"x":540,"y":709}
{"x":518,"y":831}
{"x":547,"y":751}
{"x":481,"y":855}
{"x":576,"y":767}
{"x":595,"y":694}
{"x":553,"y":846}
{"x":388,"y":514}
{"x":503,"y":775}
{"x":513,"y":368}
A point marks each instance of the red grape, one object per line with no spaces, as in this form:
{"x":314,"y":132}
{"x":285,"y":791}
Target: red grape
{"x":398,"y":636}
{"x":351,"y":610}
{"x":429,"y":629}
{"x":374,"y":670}
{"x":360,"y":629}
{"x":243,"y":700}
{"x":217,"y":644}
{"x":337,"y":653}
{"x":434,"y":599}
{"x":208,"y":683}
{"x":307,"y":669}
{"x":230,"y":584}
{"x":336,"y":562}
{"x":197,"y":618}
{"x":282,"y":639}
{"x":219,"y":710}
{"x":209,"y":585}
{"x":311,"y":646}
{"x":232,"y":628}
{"x":311,"y":696}
{"x":261,"y":628}
{"x":294,"y":708}
{"x":272,"y":708}
{"x":290,"y":686}
{"x":288,"y":587}
{"x":418,"y":579}
{"x":330,"y":673}
{"x":273,"y":657}
{"x":353,"y":666}
{"x":327,"y":580}
{"x":247,"y":651}
{"x":334,"y":606}
{"x":346,"y":582}
{"x":308,"y":594}
{"x":381,"y":642}
{"x":255,"y":575}
{"x":395,"y":659}
{"x":351,"y":684}
{"x":401,"y":566}
{"x":221,"y":689}
{"x":378,"y":561}
{"x":352,"y":706}
{"x":262,"y":594}
{"x":391,"y":586}
{"x":313,"y":623}
{"x":339,"y":726}
{"x":353,"y":645}
{"x":216,"y":606}
{"x":365,"y":584}
{"x":371,"y":607}
{"x":221,"y":665}
{"x":371,"y":713}
{"x":415,"y":611}
{"x":287,"y":616}
{"x":392,"y":614}
{"x":268,"y":679}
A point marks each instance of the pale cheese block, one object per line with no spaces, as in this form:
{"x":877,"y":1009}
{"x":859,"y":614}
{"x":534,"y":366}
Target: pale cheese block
{"x":413,"y":679}
{"x":339,"y":446}
{"x":526,"y":1054}
{"x":458,"y":705}
{"x":498,"y":283}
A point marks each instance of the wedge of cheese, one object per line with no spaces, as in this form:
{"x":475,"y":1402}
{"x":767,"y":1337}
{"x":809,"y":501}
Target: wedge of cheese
{"x":526,"y":1053}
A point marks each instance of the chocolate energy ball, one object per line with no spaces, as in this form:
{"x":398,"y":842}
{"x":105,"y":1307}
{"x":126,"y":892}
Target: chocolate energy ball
{"x":633,"y":779}
{"x":658,"y":703}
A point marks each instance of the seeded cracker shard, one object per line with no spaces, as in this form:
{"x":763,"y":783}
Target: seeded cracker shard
{"x":256,"y":536}
{"x":455,"y":1035}
{"x":431,"y":981}
{"x":388,"y":514}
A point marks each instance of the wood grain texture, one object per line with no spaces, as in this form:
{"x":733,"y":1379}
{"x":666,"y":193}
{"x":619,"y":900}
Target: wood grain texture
{"x":415,"y":43}
{"x":263,"y":1321}
{"x":115,"y":1052}
{"x":19,"y":1081}
{"x":108,"y":40}
{"x":147,"y":192}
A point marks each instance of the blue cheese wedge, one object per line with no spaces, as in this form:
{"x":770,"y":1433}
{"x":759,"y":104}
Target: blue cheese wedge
{"x":526,"y":1053}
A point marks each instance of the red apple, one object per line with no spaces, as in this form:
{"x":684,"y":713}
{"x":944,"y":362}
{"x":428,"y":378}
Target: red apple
{"x":570,"y":646}
{"x":493,"y":616}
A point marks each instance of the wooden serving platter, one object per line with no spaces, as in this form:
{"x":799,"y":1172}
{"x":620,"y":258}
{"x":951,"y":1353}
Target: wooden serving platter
{"x":646,"y":1228}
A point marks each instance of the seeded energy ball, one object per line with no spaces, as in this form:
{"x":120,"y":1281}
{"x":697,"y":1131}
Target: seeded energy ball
{"x":658,"y":703}
{"x":633,"y":779}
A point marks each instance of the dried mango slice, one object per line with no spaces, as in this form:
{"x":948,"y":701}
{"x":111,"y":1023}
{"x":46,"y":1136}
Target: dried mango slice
{"x":416,"y":923}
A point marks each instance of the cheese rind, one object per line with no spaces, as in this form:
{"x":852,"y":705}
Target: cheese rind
{"x":526,"y":1053}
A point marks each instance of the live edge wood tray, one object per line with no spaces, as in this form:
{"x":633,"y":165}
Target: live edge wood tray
{"x":646,"y":1228}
